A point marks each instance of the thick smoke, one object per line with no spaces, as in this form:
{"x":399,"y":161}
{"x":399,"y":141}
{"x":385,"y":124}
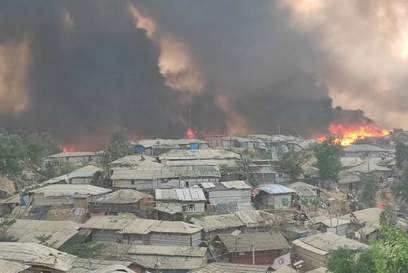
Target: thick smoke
{"x":364,"y":52}
{"x":87,"y":68}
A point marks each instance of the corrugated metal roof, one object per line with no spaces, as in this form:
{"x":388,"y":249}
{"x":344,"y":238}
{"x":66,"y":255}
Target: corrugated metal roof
{"x":36,"y":254}
{"x":258,"y":241}
{"x":86,"y":171}
{"x":248,"y":218}
{"x":207,"y":185}
{"x":182,"y":251}
{"x":233,"y":268}
{"x":155,"y":262}
{"x":114,"y":269}
{"x":276,"y":189}
{"x":323,"y":243}
{"x":109,"y":222}
{"x":185,"y":194}
{"x":364,"y":148}
{"x":238,"y":184}
{"x":123,"y":196}
{"x":73,"y":154}
{"x":29,"y":231}
{"x":70,"y":190}
{"x":12,"y":267}
{"x":199,"y":154}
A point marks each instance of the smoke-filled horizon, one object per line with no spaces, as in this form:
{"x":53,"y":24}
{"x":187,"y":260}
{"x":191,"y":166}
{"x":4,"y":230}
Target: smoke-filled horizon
{"x":84,"y":69}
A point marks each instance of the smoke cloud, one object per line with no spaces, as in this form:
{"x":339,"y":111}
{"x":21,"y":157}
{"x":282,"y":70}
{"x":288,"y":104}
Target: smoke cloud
{"x":364,"y":52}
{"x":83,"y":69}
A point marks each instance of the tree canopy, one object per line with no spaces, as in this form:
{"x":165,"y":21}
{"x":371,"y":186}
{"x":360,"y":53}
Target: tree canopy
{"x":117,"y":148}
{"x":388,"y":255}
{"x":291,"y":163}
{"x":401,"y":153}
{"x":328,"y":156}
{"x":400,"y":188}
{"x":368,"y":192}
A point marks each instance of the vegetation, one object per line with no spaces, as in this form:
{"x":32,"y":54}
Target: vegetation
{"x":368,"y":192}
{"x":39,"y":146}
{"x":345,"y":260}
{"x":78,"y":246}
{"x":401,"y":153}
{"x":400,"y":188}
{"x":245,"y":169}
{"x":15,"y":151}
{"x":117,"y":148}
{"x":388,"y":255}
{"x":291,"y":163}
{"x":328,"y":156}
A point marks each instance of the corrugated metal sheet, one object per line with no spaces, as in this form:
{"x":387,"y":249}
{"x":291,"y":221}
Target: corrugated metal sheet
{"x":238,"y":184}
{"x":186,"y":194}
{"x":182,"y":251}
{"x":276,"y":189}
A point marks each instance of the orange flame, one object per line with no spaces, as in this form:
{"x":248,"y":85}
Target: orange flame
{"x":190,"y":134}
{"x":346,"y":135}
{"x":68,"y":148}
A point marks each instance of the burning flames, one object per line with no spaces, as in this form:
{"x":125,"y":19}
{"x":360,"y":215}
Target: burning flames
{"x":349,"y":134}
{"x":190,"y":134}
{"x":68,"y":148}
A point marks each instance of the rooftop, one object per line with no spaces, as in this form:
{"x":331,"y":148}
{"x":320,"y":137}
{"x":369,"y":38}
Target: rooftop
{"x":185,"y":194}
{"x":35,"y":254}
{"x":199,"y":154}
{"x":232,"y":268}
{"x":109,"y":222}
{"x":169,"y":142}
{"x":133,"y":160}
{"x":30,"y":230}
{"x":323,"y":243}
{"x":123,"y":196}
{"x":364,"y":148}
{"x":70,"y":190}
{"x":12,"y":267}
{"x":276,"y":189}
{"x":243,"y":218}
{"x":129,"y":224}
{"x":73,"y":154}
{"x":258,"y":241}
{"x":86,"y":171}
{"x":181,"y":251}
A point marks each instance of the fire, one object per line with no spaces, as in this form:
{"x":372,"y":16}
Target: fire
{"x":346,"y":135}
{"x":190,"y":134}
{"x":68,"y":148}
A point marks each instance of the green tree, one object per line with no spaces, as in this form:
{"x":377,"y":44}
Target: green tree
{"x":401,"y":153}
{"x":117,"y":148}
{"x":368,"y":192}
{"x":39,"y":146}
{"x":388,"y":218}
{"x":390,"y":254}
{"x":291,"y":163}
{"x":400,"y":188}
{"x":344,"y":260}
{"x":78,"y":246}
{"x":328,"y":156}
{"x":13,"y":153}
{"x":245,"y":169}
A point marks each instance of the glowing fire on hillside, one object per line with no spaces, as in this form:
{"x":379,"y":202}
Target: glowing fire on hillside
{"x":190,"y":134}
{"x":68,"y":148}
{"x":346,"y":135}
